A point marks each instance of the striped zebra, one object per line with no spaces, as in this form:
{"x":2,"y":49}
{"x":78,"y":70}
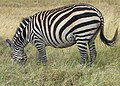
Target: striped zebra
{"x":60,"y":28}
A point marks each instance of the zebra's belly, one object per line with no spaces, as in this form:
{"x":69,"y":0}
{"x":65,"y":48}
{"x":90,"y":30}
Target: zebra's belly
{"x":66,"y":42}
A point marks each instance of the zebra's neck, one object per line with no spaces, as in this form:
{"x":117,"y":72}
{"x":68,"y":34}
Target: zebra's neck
{"x":20,"y":37}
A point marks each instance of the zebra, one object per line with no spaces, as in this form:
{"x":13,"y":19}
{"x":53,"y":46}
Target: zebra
{"x":60,"y":28}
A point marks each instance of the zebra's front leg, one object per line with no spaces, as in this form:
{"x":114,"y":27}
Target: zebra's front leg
{"x":93,"y":52}
{"x":41,"y":55}
{"x":38,"y":58}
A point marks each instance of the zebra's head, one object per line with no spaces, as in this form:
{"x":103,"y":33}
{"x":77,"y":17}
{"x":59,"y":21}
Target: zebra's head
{"x":17,"y":54}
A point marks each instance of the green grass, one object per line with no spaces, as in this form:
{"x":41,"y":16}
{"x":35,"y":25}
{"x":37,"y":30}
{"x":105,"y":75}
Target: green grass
{"x":63,"y":67}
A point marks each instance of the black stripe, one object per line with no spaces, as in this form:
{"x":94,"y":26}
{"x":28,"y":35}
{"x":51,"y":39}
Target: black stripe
{"x":18,"y":30}
{"x":82,"y":47}
{"x":81,"y":25}
{"x":37,"y":41}
{"x":82,"y":43}
{"x":87,"y":30}
{"x":36,"y":24}
{"x":89,"y":34}
{"x":21,"y":39}
{"x":32,"y":23}
{"x":43,"y":13}
{"x":82,"y":39}
{"x":24,"y":33}
{"x":85,"y":8}
{"x":25,"y":21}
{"x":21,"y":25}
{"x":32,"y":35}
{"x":39,"y":20}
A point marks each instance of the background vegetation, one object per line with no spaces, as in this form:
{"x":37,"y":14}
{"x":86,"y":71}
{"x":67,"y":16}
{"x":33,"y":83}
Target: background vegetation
{"x":63,"y":64}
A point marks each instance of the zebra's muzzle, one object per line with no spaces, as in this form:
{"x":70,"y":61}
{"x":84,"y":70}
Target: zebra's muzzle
{"x":20,"y":60}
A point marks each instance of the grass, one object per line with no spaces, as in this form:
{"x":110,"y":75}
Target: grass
{"x":63,"y":64}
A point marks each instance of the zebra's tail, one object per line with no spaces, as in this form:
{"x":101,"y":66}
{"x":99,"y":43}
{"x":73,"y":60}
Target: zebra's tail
{"x":104,"y":39}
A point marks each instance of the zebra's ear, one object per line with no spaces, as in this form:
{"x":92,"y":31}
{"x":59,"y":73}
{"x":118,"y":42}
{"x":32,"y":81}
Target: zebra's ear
{"x":9,"y":43}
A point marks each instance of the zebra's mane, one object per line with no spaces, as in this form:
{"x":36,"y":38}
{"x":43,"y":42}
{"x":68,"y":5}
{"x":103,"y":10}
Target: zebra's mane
{"x":24,"y":19}
{"x":24,"y":22}
{"x":20,"y":32}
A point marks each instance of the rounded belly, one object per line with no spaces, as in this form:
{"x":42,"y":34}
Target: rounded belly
{"x":69,"y":41}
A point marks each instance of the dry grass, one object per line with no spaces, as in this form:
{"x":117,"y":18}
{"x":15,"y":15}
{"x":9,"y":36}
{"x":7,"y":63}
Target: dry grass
{"x":63,"y":64}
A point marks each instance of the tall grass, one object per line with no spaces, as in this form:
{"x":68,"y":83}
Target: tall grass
{"x":63,"y":67}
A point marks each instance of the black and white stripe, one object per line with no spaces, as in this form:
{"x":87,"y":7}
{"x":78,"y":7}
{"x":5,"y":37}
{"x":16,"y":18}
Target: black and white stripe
{"x":63,"y":27}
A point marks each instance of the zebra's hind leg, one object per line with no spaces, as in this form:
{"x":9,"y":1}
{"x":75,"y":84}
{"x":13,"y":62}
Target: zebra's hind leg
{"x":93,"y":52}
{"x":41,"y":55}
{"x":82,"y":46}
{"x":83,"y":53}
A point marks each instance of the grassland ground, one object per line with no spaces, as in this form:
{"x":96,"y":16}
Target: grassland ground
{"x":63,"y":64}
